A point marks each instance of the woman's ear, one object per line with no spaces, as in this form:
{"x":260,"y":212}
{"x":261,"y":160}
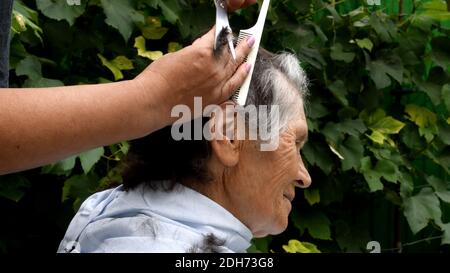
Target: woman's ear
{"x":224,"y":129}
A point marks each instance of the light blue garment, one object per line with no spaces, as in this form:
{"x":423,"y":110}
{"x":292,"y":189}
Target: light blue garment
{"x":147,"y":220}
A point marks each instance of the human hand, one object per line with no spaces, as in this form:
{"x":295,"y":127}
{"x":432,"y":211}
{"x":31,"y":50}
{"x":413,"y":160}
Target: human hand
{"x":237,"y":4}
{"x":195,"y":71}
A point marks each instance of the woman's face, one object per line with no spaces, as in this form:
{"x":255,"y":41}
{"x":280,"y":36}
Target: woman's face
{"x":263,"y":183}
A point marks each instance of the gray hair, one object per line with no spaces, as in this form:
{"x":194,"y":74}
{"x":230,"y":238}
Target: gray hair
{"x":278,"y":80}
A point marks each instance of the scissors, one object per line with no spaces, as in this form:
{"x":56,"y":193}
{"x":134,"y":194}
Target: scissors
{"x":222,"y":23}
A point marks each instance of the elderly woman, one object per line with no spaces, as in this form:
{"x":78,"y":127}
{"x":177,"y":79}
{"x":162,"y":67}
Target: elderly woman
{"x":204,"y":196}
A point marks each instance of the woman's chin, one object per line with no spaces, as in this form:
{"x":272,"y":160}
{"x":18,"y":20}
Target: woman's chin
{"x":281,"y":226}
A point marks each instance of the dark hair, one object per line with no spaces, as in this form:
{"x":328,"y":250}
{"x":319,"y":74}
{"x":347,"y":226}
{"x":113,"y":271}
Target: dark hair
{"x":158,"y":157}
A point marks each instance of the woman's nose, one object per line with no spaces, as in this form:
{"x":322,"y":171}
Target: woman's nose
{"x":303,"y":177}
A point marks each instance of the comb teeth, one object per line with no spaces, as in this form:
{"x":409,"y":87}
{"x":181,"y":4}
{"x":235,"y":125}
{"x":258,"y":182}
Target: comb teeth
{"x":242,"y":37}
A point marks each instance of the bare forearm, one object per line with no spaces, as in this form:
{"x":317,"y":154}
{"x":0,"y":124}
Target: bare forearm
{"x":41,"y":126}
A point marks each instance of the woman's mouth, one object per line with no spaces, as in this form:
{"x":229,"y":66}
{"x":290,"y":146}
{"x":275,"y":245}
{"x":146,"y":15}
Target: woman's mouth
{"x":289,"y":196}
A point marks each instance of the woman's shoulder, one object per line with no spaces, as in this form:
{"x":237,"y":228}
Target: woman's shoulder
{"x":141,"y":233}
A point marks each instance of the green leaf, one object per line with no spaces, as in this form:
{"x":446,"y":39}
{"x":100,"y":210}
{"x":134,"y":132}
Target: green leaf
{"x":424,"y":119}
{"x":311,"y":56}
{"x":260,"y":245}
{"x":152,"y":3}
{"x":79,"y":187}
{"x":388,"y":170}
{"x":422,"y":208}
{"x":338,"y":54}
{"x":335,"y":131}
{"x":26,"y":12}
{"x":153,"y":21}
{"x":372,"y":177}
{"x":173,"y":47}
{"x":377,"y":137}
{"x":365,"y":43}
{"x":441,"y":188}
{"x":446,"y":96}
{"x":406,"y":185}
{"x":359,"y":17}
{"x":432,"y":89}
{"x":421,"y":116}
{"x":378,"y":75}
{"x":446,"y":234}
{"x":435,"y":9}
{"x":317,"y":29}
{"x":442,"y":159}
{"x":25,"y":18}
{"x":439,"y":52}
{"x":60,"y":10}
{"x":18,"y":53}
{"x":295,"y":246}
{"x":153,"y":30}
{"x":115,"y":70}
{"x":90,"y":158}
{"x":114,"y":177}
{"x":433,"y":5}
{"x":117,"y":65}
{"x":370,"y":118}
{"x":352,"y":151}
{"x":385,"y":28}
{"x":153,"y":33}
{"x":387,"y":125}
{"x":317,"y":154}
{"x":123,"y":63}
{"x":122,"y":16}
{"x":139,"y":44}
{"x":18,"y":24}
{"x":317,"y":109}
{"x":353,"y":127}
{"x":63,"y":167}
{"x":312,"y":196}
{"x":339,"y":91}
{"x":411,"y":138}
{"x":170,"y":10}
{"x":13,"y":186}
{"x":444,"y":132}
{"x":317,"y":224}
{"x":42,"y":82}
{"x":31,"y":67}
{"x":124,"y":147}
{"x":380,"y":69}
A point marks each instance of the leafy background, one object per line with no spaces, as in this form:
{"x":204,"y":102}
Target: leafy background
{"x":378,"y":113}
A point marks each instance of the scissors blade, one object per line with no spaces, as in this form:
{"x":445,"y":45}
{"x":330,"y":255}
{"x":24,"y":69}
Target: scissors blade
{"x":223,"y":23}
{"x":231,"y":45}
